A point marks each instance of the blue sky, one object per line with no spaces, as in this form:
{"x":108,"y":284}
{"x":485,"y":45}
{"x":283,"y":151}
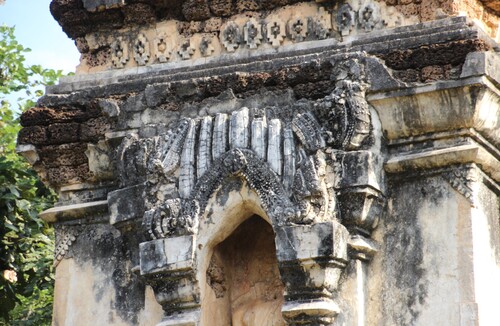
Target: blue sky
{"x":37,"y":30}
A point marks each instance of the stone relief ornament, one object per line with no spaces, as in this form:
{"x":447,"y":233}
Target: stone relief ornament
{"x":319,"y":26}
{"x":276,"y":32}
{"x":252,"y":35}
{"x":291,"y":157}
{"x":119,"y":53}
{"x":345,"y":19}
{"x":464,"y":179}
{"x":65,"y":236}
{"x":286,"y":167}
{"x":297,"y":28}
{"x":141,"y":50}
{"x":206,"y":47}
{"x":230,"y":36}
{"x":185,"y":50}
{"x":161,"y":49}
{"x":322,"y":24}
{"x":368,"y":17}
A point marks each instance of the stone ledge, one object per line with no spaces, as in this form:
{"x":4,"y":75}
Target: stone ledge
{"x":74,"y":212}
{"x":438,"y":158}
{"x":482,"y":64}
{"x":310,"y":308}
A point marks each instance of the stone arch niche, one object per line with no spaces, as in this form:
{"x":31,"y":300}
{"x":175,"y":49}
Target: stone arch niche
{"x":243,"y":273}
{"x":307,"y":266}
{"x":315,"y":184}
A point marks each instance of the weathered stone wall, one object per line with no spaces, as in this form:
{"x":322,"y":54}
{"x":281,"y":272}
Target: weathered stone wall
{"x":315,"y":163}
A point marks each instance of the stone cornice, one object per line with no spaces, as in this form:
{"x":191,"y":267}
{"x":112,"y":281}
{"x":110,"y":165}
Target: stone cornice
{"x":473,"y":101}
{"x":469,"y":152}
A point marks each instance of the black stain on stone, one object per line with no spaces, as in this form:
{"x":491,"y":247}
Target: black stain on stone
{"x":112,"y":255}
{"x":228,"y":185}
{"x":405,"y":280}
{"x":491,"y":206}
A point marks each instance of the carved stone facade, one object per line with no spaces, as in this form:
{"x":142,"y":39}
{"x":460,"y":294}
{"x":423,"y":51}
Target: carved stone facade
{"x":272,"y":163}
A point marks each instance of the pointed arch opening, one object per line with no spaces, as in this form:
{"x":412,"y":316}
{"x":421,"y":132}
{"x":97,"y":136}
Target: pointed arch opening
{"x":243,"y":285}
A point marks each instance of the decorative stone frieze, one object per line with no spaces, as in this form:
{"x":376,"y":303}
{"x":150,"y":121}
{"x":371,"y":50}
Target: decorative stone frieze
{"x":241,"y":33}
{"x":186,"y":50}
{"x":297,"y":28}
{"x":346,"y":19}
{"x":206,"y":47}
{"x":322,"y":24}
{"x":276,"y":32}
{"x":368,"y":17}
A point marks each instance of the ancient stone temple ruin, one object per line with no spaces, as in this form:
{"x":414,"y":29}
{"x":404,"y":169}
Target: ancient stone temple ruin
{"x":274,"y":162}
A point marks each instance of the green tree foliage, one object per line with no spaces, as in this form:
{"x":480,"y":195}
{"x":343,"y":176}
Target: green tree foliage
{"x":26,"y":242}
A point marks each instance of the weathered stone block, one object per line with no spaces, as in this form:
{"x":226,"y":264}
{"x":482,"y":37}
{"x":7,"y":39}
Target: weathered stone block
{"x":32,"y":135}
{"x":167,"y":255}
{"x":94,"y":129}
{"x":126,"y":205}
{"x":64,"y":132}
{"x":327,"y":240}
{"x":360,"y":169}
